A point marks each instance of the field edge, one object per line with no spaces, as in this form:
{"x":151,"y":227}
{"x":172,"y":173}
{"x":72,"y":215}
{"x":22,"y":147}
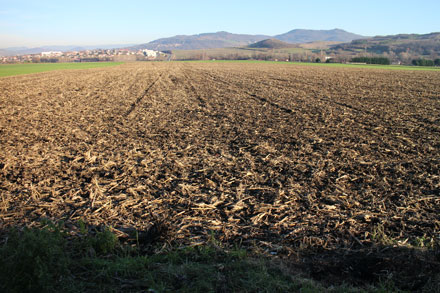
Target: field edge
{"x":340,"y":65}
{"x":50,"y":258}
{"x":7,"y":70}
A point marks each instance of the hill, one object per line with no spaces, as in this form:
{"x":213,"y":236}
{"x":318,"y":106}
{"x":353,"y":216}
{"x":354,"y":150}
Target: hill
{"x":406,"y":45}
{"x":201,"y":41}
{"x":271,"y":44}
{"x":225,"y":39}
{"x":220,"y":39}
{"x":306,"y":36}
{"x":318,"y":45}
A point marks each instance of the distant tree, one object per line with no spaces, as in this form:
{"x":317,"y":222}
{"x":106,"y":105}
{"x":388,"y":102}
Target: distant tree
{"x":429,"y":63}
{"x":49,"y":60}
{"x":318,"y":60}
{"x":91,"y":59}
{"x":422,"y":62}
{"x":437,"y":62}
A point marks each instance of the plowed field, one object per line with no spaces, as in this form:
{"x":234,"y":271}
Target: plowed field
{"x":274,"y":156}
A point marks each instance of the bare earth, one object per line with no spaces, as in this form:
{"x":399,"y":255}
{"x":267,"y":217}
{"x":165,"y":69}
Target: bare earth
{"x":279,"y":157}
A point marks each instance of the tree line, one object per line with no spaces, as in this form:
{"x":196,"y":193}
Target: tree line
{"x":372,"y":60}
{"x":426,"y":62}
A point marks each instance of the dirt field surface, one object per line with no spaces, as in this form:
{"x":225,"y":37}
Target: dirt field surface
{"x":278,"y":157}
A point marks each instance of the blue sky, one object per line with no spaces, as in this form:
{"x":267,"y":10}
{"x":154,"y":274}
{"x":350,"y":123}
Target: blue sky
{"x":48,"y":22}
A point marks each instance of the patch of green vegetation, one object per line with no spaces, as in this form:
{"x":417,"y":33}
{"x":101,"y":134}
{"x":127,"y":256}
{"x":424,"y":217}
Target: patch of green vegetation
{"x":27,"y":68}
{"x":49,"y":259}
{"x":191,"y":269}
{"x":379,"y":236}
{"x":33,"y":260}
{"x":292,"y":50}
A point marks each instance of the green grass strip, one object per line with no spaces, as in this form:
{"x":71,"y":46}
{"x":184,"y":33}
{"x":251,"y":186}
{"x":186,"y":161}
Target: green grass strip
{"x":27,"y":68}
{"x":368,"y":66}
{"x":51,"y":260}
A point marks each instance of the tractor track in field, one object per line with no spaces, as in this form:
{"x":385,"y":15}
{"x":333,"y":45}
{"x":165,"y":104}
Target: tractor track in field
{"x":253,"y":95}
{"x":377,"y":120}
{"x":190,"y":85}
{"x":285,"y":86}
{"x":142,"y":96}
{"x":266,"y":101}
{"x":285,"y":110}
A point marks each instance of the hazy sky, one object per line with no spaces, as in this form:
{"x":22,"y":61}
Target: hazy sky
{"x":78,"y":22}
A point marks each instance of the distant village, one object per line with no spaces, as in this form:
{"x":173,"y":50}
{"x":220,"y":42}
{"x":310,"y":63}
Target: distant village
{"x":87,"y":56}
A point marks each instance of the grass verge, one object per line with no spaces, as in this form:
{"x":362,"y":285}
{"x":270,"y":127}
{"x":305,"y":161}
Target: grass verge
{"x":27,"y":68}
{"x":50,"y":259}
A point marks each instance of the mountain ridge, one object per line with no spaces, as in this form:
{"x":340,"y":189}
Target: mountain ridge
{"x":307,"y":36}
{"x":220,"y":39}
{"x":418,"y":44}
{"x":224,"y":39}
{"x":405,"y":44}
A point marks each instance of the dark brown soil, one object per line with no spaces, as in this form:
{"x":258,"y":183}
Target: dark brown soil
{"x":279,"y":158}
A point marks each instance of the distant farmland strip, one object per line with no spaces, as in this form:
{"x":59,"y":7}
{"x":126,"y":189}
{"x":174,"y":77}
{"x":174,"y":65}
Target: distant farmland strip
{"x":18,"y":69}
{"x":368,"y":66}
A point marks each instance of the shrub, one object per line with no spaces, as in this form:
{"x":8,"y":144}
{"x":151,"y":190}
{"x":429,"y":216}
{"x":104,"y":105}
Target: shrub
{"x":32,"y":260}
{"x":104,"y":242}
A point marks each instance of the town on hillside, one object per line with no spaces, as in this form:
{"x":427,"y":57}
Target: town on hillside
{"x":96,"y":55}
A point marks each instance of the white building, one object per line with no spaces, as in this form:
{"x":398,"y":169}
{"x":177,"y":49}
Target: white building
{"x":51,"y":54}
{"x":150,"y":53}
